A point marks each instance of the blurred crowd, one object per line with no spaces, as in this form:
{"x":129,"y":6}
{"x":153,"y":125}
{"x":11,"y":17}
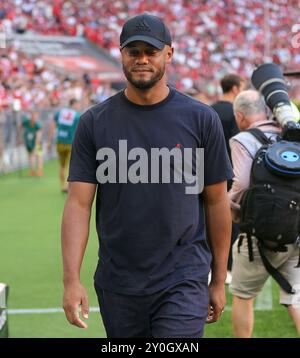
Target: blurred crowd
{"x":211,"y":38}
{"x":28,"y":83}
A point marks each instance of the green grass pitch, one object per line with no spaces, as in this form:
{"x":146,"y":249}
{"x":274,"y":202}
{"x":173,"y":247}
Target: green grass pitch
{"x":30,"y":263}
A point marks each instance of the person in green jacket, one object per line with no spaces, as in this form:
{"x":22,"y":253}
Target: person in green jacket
{"x":32,"y":137}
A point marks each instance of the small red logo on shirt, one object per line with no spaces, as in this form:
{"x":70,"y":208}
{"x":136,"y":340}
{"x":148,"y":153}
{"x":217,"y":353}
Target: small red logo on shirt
{"x":178,"y":145}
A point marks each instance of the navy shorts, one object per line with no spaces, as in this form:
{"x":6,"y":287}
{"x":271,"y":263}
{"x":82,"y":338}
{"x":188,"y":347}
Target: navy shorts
{"x":179,"y":311}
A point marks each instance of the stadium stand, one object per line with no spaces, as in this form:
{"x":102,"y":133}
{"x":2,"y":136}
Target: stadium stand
{"x":207,"y":46}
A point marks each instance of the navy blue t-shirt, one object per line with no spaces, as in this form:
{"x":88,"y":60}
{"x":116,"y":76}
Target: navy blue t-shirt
{"x":151,"y":233}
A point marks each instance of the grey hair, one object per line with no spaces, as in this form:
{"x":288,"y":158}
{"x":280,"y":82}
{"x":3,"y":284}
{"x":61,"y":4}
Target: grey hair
{"x":249,"y":103}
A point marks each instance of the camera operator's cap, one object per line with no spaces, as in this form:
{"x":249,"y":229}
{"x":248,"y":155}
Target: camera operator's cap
{"x":146,"y":28}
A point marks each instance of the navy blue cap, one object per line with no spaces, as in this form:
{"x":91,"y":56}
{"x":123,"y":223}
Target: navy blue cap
{"x":146,"y":28}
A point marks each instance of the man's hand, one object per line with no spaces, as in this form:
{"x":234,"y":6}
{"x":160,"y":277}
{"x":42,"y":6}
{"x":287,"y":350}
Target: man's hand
{"x":75,"y":295}
{"x":217,"y":301}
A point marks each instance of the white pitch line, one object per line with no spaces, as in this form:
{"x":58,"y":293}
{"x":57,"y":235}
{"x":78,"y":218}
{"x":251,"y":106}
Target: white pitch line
{"x":43,"y":310}
{"x":264,"y":301}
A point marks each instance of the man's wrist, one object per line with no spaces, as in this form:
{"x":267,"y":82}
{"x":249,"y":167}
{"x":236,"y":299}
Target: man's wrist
{"x":218,"y":278}
{"x":69,"y":280}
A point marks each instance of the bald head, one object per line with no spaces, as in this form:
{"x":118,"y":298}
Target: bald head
{"x":249,"y":107}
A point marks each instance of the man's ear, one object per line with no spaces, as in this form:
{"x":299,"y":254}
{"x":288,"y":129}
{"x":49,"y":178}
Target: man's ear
{"x":239,"y":118}
{"x":169,"y":53}
{"x":235,"y":90}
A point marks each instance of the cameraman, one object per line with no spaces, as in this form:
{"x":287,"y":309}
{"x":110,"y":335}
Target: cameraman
{"x":248,"y":278}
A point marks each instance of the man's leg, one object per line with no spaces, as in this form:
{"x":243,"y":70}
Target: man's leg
{"x":63,"y":157}
{"x":124,"y":316}
{"x":290,"y":270}
{"x":180,"y":311}
{"x":248,"y":279}
{"x":39,"y":155}
{"x":294,"y":312}
{"x":242,"y":317}
{"x":66,"y":167}
{"x":62,"y":177}
{"x":31,"y":158}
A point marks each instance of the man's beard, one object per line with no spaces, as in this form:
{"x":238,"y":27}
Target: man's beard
{"x":144,"y":84}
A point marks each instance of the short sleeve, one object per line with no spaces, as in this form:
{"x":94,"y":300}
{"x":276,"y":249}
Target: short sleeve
{"x":83,"y":164}
{"x":217,"y":166}
{"x":38,"y":125}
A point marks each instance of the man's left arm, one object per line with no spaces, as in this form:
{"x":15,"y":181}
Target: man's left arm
{"x":218,"y":227}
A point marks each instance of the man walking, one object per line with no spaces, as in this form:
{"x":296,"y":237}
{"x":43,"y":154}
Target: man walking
{"x":141,"y":147}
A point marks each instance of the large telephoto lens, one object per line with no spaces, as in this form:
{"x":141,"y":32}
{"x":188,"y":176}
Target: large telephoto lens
{"x":269,"y":81}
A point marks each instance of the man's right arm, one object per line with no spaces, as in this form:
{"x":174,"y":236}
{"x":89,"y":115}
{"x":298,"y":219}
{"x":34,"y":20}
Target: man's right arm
{"x":74,"y":238}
